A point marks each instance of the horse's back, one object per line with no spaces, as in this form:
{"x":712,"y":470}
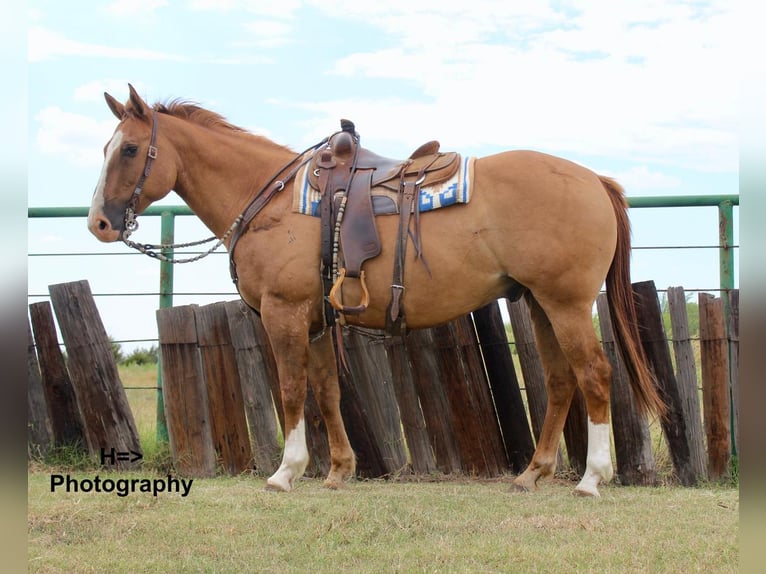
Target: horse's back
{"x":534,"y":177}
{"x":533,"y":219}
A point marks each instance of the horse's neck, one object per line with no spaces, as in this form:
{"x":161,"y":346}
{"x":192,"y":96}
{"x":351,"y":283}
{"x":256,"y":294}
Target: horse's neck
{"x":220,"y":172}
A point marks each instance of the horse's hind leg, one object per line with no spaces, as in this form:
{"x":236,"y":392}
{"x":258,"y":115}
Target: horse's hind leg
{"x":323,"y":377}
{"x":560,"y":383}
{"x":573,"y":325}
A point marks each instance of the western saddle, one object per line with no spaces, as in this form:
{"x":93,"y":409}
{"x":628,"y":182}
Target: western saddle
{"x":345,"y":173}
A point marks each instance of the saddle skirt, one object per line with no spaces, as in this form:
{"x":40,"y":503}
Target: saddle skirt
{"x":455,"y":190}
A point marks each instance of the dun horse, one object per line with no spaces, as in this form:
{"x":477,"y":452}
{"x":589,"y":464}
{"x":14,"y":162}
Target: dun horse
{"x":535,"y":222}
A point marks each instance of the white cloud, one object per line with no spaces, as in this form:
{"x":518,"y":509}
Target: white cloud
{"x":45,"y":44}
{"x":94,"y":91}
{"x":269,"y":33}
{"x":77,"y":138}
{"x":647,"y":80}
{"x":641,"y":178}
{"x":281,"y":9}
{"x":134,"y":7}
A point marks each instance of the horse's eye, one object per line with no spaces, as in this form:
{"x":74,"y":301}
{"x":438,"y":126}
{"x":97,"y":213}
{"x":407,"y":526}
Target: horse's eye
{"x":129,"y":150}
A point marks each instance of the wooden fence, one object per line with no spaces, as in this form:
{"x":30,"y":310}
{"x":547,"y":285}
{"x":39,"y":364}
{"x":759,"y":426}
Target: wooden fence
{"x":446,"y":399}
{"x":80,"y":401}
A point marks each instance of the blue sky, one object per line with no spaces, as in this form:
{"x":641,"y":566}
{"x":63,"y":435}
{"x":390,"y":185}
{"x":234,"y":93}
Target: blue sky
{"x":645,"y":92}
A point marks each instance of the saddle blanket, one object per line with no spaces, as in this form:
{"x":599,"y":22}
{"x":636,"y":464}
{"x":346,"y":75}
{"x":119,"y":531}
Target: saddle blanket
{"x":384,"y":200}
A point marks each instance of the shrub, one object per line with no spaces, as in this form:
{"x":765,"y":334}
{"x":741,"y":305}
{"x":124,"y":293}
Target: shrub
{"x":143,"y":356}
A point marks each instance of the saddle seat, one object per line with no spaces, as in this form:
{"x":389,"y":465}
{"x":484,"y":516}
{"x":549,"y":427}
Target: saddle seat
{"x":388,"y":173}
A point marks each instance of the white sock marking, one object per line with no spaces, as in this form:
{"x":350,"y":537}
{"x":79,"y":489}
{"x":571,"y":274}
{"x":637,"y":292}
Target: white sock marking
{"x":599,"y":461}
{"x":294,"y":460}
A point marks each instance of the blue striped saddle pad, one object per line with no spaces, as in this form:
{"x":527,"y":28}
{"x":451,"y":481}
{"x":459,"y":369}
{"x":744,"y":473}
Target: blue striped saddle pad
{"x":384,"y":201}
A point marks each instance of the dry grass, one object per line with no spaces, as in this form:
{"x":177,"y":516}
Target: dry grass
{"x":143,"y":403}
{"x":233,"y":525}
{"x":230,"y":524}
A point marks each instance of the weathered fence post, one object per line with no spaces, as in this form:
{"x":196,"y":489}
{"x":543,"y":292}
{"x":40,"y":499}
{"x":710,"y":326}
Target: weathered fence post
{"x":715,"y":384}
{"x":484,"y":415}
{"x":184,"y":393}
{"x":421,"y":348}
{"x":509,"y":406}
{"x":224,"y":391}
{"x":65,"y":420}
{"x":476,"y":431}
{"x":632,"y":441}
{"x":529,"y":361}
{"x":656,"y":346}
{"x":734,"y":366}
{"x":39,"y":431}
{"x":370,"y":408}
{"x":107,"y":417}
{"x":256,"y":391}
{"x":413,"y":423}
{"x":686,"y":373}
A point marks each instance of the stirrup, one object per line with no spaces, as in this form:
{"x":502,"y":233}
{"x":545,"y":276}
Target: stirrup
{"x":338,"y":306}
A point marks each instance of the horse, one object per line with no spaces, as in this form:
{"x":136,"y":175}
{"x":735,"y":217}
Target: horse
{"x":537,"y":223}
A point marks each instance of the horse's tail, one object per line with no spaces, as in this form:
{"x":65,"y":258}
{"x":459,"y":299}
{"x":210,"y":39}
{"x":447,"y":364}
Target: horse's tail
{"x":619,"y":294}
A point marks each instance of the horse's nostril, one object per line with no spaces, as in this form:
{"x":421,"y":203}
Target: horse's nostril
{"x":102,"y":225}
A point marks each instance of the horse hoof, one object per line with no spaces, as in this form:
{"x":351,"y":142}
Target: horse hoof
{"x":334,"y":485}
{"x":273,"y":487}
{"x":581,"y":491}
{"x":523,"y":488}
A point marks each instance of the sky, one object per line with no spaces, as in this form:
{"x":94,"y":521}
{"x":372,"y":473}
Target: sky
{"x":645,"y":92}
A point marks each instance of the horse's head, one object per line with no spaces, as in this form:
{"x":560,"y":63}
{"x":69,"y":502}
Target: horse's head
{"x":134,"y":174}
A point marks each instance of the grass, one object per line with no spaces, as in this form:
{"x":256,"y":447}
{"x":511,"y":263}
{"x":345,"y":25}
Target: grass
{"x":232,"y":525}
{"x":143,"y":403}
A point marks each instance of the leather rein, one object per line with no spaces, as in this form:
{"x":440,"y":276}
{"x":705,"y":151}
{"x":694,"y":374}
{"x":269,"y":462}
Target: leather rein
{"x":261,"y":199}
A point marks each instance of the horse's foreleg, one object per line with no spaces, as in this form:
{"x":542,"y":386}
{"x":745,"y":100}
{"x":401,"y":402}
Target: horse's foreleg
{"x":560,"y":384}
{"x":323,"y":377}
{"x":288,"y":335}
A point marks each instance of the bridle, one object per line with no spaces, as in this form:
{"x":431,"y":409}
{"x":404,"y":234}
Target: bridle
{"x":130,"y":223}
{"x":274,"y":185}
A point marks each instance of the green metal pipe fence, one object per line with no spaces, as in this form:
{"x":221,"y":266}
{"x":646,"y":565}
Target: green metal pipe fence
{"x":167,"y":214}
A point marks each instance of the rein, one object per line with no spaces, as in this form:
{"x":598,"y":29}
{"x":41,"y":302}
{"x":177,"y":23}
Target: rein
{"x":260,"y":200}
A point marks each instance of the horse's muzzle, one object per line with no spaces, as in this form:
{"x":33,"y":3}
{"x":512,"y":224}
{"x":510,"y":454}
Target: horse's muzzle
{"x":100,"y":226}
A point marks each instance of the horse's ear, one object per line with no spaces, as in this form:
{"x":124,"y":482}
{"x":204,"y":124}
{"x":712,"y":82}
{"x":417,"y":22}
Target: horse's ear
{"x":138,"y":104}
{"x":117,"y":108}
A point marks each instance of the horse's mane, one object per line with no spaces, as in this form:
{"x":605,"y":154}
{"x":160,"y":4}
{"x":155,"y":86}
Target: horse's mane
{"x":193,"y":112}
